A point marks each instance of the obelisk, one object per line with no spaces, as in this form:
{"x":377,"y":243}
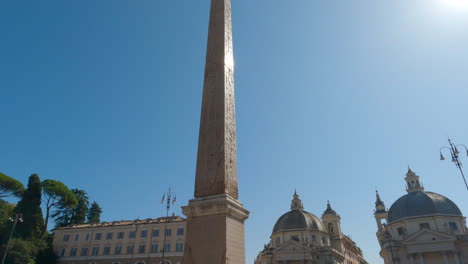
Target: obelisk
{"x":215,"y":217}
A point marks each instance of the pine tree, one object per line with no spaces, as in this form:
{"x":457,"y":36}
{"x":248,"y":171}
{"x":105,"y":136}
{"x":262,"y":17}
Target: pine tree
{"x":56,"y":195}
{"x":94,"y":214}
{"x":66,"y":216}
{"x":30,"y":207}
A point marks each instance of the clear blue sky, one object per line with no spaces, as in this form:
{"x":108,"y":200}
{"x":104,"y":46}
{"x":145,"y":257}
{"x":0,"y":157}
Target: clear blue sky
{"x":334,"y":98}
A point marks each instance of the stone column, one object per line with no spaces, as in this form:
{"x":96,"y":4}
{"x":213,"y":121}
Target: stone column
{"x":421,"y":258}
{"x":444,"y":257}
{"x":456,"y":257}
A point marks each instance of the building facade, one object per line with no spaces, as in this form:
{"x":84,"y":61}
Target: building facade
{"x":122,"y":242}
{"x":300,"y":237}
{"x":421,"y":228}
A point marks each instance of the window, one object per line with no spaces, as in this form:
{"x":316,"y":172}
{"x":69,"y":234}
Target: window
{"x":106,"y":251}
{"x":118,"y":250}
{"x":278,"y":241}
{"x":168,"y":232}
{"x":87,"y":236}
{"x":180,"y":231}
{"x":73,"y":252}
{"x":109,"y":236}
{"x":95,"y":251}
{"x":453,"y":226}
{"x":130,"y":249}
{"x":77,"y":237}
{"x":98,"y":236}
{"x":84,"y":252}
{"x":401,"y":231}
{"x":143,"y":233}
{"x":424,"y":226}
{"x":295,"y":238}
{"x":66,"y":238}
{"x":155,"y":233}
{"x":179,"y":247}
{"x":167,"y":247}
{"x":324,"y":240}
{"x":120,"y":235}
{"x":62,"y":252}
{"x":154,"y":248}
{"x":141,"y":249}
{"x":132,"y":234}
{"x":313,"y":238}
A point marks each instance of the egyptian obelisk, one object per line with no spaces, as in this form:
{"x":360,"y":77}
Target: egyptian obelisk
{"x":215,"y":217}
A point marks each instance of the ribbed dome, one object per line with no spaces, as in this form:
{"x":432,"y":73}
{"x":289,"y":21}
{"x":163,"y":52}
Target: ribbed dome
{"x":422,"y":203}
{"x":298,"y":219}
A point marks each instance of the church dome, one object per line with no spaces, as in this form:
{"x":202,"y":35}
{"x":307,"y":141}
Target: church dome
{"x":298,"y":219}
{"x":421,"y":203}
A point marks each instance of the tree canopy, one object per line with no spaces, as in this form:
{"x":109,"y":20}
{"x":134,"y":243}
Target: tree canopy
{"x":56,"y":194}
{"x":65,"y":216}
{"x":10,"y":186}
{"x":30,"y":207}
{"x":94,"y":214}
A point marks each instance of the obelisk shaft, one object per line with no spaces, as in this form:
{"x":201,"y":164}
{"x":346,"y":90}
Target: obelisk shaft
{"x":217,"y":155}
{"x":215,"y":218}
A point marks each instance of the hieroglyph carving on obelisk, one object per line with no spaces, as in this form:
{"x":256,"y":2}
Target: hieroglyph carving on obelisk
{"x":215,"y":218}
{"x":217,"y":162}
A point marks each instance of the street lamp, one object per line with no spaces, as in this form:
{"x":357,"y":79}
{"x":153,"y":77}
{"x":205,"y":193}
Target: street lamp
{"x":169,"y":198}
{"x":455,"y":158}
{"x":15,"y":220}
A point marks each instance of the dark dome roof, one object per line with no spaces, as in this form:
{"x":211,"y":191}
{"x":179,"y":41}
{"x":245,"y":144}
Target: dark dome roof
{"x":422,"y":203}
{"x":298,"y":219}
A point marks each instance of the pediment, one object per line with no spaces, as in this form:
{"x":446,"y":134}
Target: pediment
{"x":424,"y":236}
{"x":291,"y":245}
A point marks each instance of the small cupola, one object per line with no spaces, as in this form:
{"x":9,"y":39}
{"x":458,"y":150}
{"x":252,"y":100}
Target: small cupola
{"x":412,"y":182}
{"x":379,"y":204}
{"x":296,"y":203}
{"x":329,"y":210}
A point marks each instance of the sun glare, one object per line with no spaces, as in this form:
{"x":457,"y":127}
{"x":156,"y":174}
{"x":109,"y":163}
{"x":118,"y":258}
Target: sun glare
{"x":456,"y":4}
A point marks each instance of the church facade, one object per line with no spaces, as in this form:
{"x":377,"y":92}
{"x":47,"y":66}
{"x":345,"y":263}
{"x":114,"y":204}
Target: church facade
{"x":301,"y":237}
{"x":421,"y":227}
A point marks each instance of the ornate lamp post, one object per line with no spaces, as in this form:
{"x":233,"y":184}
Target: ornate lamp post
{"x":18,"y":218}
{"x":169,"y":198}
{"x":455,"y":158}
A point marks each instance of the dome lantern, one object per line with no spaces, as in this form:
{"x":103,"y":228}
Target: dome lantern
{"x":296,"y":203}
{"x":412,"y":182}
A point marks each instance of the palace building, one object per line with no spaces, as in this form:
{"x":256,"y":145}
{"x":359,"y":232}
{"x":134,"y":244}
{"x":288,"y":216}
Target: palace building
{"x":122,"y":242}
{"x":300,"y":237}
{"x":421,"y":227}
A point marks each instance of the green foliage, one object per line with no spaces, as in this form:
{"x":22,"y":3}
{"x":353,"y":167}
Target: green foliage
{"x":56,"y":194}
{"x":30,"y":207}
{"x":10,"y":186}
{"x":66,"y":216}
{"x":6,"y":210}
{"x":20,"y":251}
{"x":94,"y":214}
{"x":46,"y":254}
